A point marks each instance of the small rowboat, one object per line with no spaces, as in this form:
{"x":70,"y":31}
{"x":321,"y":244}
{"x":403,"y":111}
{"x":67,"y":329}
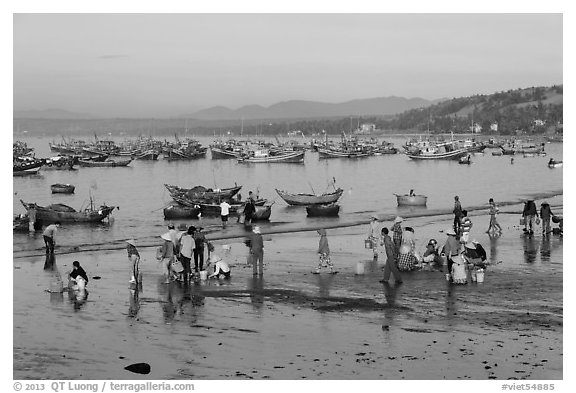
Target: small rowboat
{"x":64,"y":213}
{"x":411,"y":200}
{"x":59,"y":188}
{"x":554,"y":164}
{"x":464,"y":160}
{"x":330,"y":210}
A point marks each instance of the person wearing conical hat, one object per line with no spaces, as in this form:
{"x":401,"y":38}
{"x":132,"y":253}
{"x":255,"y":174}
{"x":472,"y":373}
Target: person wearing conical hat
{"x":134,"y":258}
{"x":451,"y":247}
{"x":166,"y":255}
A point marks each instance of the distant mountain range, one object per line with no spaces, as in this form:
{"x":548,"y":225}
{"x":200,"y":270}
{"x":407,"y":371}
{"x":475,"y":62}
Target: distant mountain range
{"x":293,"y":109}
{"x":312,"y":109}
{"x":52,"y":114}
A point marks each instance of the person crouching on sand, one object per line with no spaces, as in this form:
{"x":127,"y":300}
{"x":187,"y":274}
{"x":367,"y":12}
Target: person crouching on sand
{"x":220,"y":267}
{"x":324,"y":253}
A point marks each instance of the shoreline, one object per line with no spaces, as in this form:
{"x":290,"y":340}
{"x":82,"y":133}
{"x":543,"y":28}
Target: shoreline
{"x":292,"y":324}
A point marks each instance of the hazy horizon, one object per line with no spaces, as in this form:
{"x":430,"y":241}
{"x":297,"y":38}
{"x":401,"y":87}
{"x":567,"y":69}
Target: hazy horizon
{"x":135,"y":65}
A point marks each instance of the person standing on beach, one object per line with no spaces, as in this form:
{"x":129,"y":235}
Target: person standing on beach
{"x":257,"y":251}
{"x":199,"y":241}
{"x":494,"y":226}
{"x":224,"y":212}
{"x":397,"y":235}
{"x":451,"y":248}
{"x":457,"y":213}
{"x":187,"y":245}
{"x":373,"y":235}
{"x":134,"y":258}
{"x":529,"y":213}
{"x":324,"y":253}
{"x":465,"y":227}
{"x":166,"y":253}
{"x":49,"y":235}
{"x":545,"y":214}
{"x":249,"y":210}
{"x":391,"y":266}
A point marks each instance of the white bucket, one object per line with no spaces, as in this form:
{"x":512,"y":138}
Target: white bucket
{"x":360,"y":268}
{"x":81,"y":283}
{"x":480,"y":276}
{"x":203,"y":275}
{"x":368,"y":244}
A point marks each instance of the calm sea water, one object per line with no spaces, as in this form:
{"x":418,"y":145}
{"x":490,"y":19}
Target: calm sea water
{"x":369,"y":184}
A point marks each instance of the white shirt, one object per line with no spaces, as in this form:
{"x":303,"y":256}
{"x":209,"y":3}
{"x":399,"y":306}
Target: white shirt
{"x":219,"y":268}
{"x":186,"y":245}
{"x":225,"y":208}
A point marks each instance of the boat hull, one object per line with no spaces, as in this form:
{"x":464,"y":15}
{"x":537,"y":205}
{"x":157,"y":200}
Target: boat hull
{"x":62,"y":188}
{"x":414,"y":200}
{"x":221,"y":154}
{"x":177,"y":211}
{"x":292,"y":157}
{"x":451,"y":155}
{"x":47,"y":215}
{"x":328,"y":153}
{"x":322,"y":210}
{"x":104,"y":164}
{"x":309,"y":199}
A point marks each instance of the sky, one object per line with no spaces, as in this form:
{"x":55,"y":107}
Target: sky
{"x":162,"y":65}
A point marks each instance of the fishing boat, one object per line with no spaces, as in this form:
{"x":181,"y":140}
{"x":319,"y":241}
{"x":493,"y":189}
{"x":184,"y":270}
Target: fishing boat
{"x":342,"y":153}
{"x":64,"y":213}
{"x":201,"y":193}
{"x":508,"y":151}
{"x":465,"y":160}
{"x":310,"y":199}
{"x":264,"y":156}
{"x":108,"y":163}
{"x":24,"y":166}
{"x":330,"y":210}
{"x":149,"y":154}
{"x":497,"y":153}
{"x":223,"y":153}
{"x":438,"y":151}
{"x":181,"y":154}
{"x":411,"y":200}
{"x":554,"y":164}
{"x":177,"y":211}
{"x":60,"y":163}
{"x":60,"y":188}
{"x":262,"y":213}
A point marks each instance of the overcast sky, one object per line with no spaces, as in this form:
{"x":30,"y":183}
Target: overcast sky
{"x":168,"y":64}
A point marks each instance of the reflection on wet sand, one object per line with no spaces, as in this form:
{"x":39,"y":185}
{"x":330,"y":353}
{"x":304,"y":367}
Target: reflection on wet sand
{"x":530,"y":248}
{"x":494,"y":246}
{"x":324,"y":284}
{"x":255,"y":289}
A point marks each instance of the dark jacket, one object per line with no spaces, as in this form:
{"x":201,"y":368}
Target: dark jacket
{"x":257,"y":243}
{"x":545,"y":211}
{"x":529,"y":209}
{"x":79,"y":272}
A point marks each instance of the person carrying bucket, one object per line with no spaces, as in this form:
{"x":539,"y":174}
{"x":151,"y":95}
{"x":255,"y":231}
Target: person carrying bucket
{"x":324,"y":253}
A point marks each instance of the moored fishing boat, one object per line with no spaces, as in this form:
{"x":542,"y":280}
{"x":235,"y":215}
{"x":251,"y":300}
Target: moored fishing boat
{"x":201,"y":193}
{"x":64,"y":213}
{"x":330,"y":210}
{"x":411,"y":200}
{"x":149,"y":154}
{"x":343,"y":153}
{"x":60,"y":188}
{"x":108,"y":163}
{"x":24,"y":166}
{"x":60,"y":163}
{"x":310,"y":199}
{"x":438,"y":151}
{"x":263,"y":156}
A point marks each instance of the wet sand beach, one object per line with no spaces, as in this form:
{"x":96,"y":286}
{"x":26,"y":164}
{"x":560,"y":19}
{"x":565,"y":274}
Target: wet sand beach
{"x":292,"y":324}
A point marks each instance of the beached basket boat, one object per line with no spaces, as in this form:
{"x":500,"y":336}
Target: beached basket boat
{"x":411,"y":200}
